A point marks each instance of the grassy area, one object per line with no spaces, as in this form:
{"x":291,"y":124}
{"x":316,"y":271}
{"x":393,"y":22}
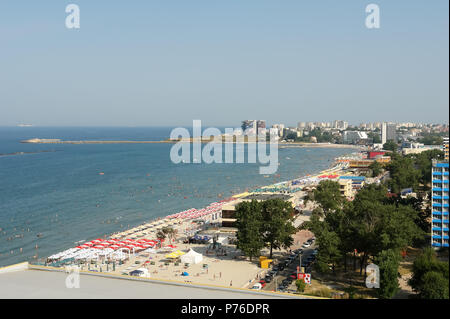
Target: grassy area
{"x":339,"y":286}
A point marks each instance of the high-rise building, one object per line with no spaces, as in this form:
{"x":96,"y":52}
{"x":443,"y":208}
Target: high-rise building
{"x":445,"y":149}
{"x":280,"y":128}
{"x":301,"y":125}
{"x":388,"y":132}
{"x":439,"y":204}
{"x":249,"y":127}
{"x":341,"y":125}
{"x":261,"y":127}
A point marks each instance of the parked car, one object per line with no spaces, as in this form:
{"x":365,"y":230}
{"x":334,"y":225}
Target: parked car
{"x":286,"y":282}
{"x":281,"y":289}
{"x":257,"y":286}
{"x":281,"y":267}
{"x":306,"y":245}
{"x":268,"y":279}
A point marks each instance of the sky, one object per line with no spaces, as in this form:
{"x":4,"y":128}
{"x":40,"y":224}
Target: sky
{"x":166,"y":63}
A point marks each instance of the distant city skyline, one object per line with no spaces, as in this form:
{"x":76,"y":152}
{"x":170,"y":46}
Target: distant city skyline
{"x":165,"y":64}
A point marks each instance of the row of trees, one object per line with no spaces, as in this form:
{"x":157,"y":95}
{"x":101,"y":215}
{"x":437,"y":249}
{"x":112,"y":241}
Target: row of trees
{"x":264,"y":224}
{"x":378,"y":227}
{"x":373,"y":227}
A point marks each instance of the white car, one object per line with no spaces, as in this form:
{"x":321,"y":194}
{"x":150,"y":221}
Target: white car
{"x":257,"y":286}
{"x":306,"y":245}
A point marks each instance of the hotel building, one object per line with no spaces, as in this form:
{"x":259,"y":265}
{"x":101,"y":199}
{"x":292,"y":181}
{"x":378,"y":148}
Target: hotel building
{"x":439,"y":204}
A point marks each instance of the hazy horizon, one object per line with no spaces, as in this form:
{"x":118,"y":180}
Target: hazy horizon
{"x":161,"y":64}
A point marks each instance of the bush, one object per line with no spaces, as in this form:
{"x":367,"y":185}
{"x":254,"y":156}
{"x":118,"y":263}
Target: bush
{"x":301,"y":285}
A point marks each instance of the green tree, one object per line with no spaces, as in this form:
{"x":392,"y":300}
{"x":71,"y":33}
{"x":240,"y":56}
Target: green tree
{"x":329,"y":252}
{"x":327,"y":194}
{"x":277,"y":228}
{"x":403,"y":174}
{"x":390,"y":146}
{"x":435,"y":286}
{"x":431,"y":139}
{"x":427,"y":272}
{"x":376,"y":138}
{"x":249,"y":225}
{"x":376,"y":168}
{"x":423,"y":162}
{"x":301,"y":285}
{"x":388,"y":261}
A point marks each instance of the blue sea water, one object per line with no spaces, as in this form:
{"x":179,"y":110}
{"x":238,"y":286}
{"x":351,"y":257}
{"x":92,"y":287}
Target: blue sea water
{"x":61,"y":195}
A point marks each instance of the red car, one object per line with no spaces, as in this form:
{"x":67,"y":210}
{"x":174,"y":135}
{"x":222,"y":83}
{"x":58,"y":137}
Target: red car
{"x":263,"y":283}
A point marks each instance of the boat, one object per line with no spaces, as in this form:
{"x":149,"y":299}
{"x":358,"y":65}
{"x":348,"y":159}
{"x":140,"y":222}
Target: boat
{"x":24,"y":125}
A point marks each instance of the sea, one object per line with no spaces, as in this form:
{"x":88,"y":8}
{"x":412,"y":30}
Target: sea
{"x":53,"y":196}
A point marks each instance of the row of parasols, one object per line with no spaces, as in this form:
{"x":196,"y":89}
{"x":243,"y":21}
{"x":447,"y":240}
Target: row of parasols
{"x":124,"y":243}
{"x":113,"y":248}
{"x":196,"y":213}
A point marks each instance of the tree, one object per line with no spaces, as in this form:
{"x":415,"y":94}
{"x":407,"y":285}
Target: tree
{"x":435,"y":286}
{"x":388,"y":261}
{"x":161,"y":235}
{"x":329,"y":252}
{"x":301,"y":285}
{"x":423,"y":162}
{"x":390,"y":146}
{"x":429,"y":276}
{"x":375,"y":137}
{"x":328,"y":196}
{"x":376,"y":168}
{"x":431,"y":139}
{"x":169,"y":232}
{"x":403,"y":174}
{"x":277,"y":228}
{"x":377,"y":225}
{"x":249,"y":225}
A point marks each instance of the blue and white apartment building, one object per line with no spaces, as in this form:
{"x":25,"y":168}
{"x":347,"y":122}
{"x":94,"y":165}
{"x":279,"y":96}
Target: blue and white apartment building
{"x":439,"y":204}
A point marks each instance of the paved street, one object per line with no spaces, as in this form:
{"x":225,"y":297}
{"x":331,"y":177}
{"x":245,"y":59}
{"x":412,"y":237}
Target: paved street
{"x":276,"y":281}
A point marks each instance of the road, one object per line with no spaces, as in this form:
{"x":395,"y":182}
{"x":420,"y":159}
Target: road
{"x":276,"y":281}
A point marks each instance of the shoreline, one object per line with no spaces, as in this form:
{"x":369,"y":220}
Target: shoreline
{"x":280,"y":144}
{"x":138,"y":248}
{"x":161,"y":219}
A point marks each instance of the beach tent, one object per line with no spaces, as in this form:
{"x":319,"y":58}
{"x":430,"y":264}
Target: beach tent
{"x":175,"y":254}
{"x":192,"y":257}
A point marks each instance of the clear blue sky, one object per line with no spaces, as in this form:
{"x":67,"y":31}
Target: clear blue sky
{"x":168,"y":62}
